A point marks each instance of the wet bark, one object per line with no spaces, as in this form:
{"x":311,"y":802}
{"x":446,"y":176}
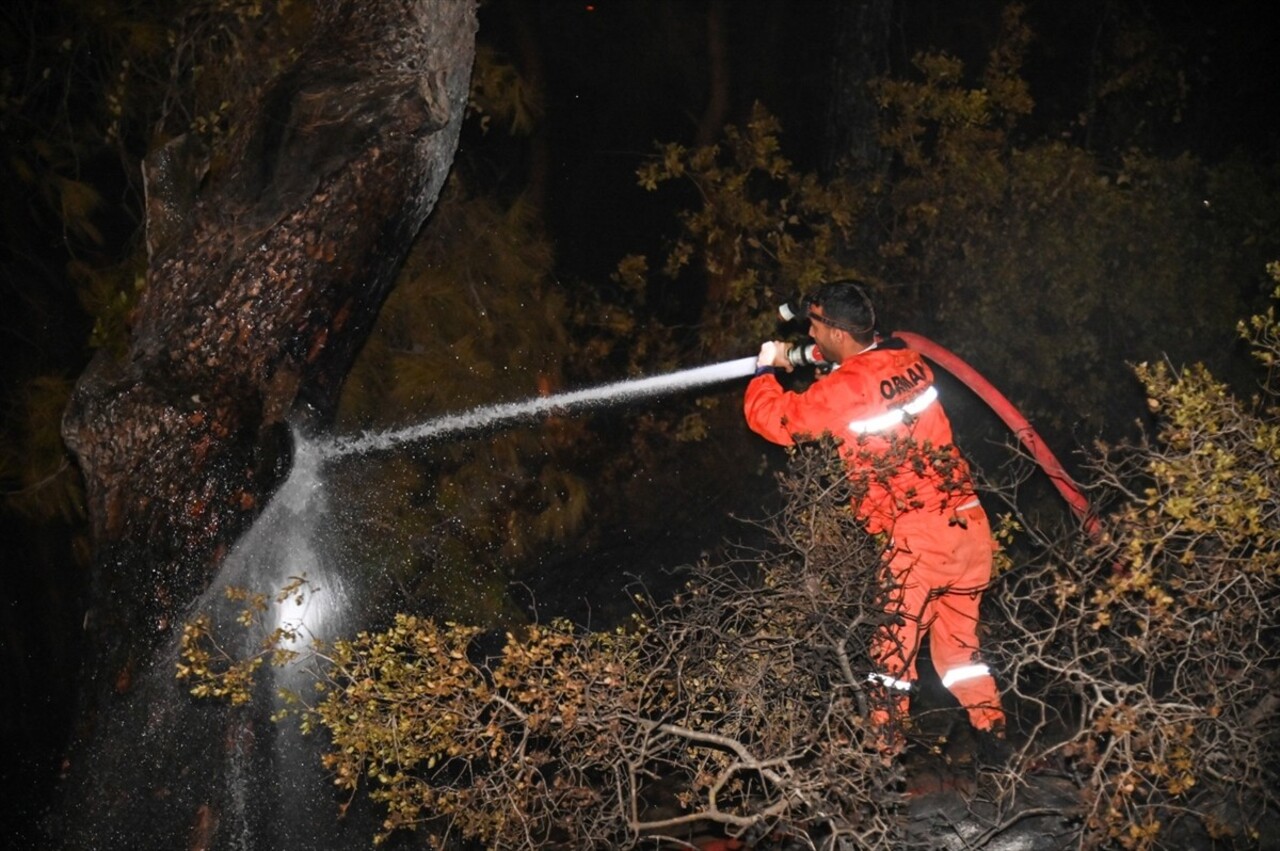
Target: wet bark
{"x":263,"y":280}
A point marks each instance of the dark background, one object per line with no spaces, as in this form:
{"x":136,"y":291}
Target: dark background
{"x":619,"y":75}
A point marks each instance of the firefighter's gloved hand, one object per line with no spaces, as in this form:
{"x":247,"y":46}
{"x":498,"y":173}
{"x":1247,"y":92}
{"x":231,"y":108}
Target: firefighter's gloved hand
{"x":773,"y":354}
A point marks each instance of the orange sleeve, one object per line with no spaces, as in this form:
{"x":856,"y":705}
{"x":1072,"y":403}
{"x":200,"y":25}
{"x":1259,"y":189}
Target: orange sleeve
{"x":781,"y":416}
{"x":763,"y":406}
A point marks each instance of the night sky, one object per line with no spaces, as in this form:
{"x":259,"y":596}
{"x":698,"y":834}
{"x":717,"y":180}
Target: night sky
{"x":620,"y":75}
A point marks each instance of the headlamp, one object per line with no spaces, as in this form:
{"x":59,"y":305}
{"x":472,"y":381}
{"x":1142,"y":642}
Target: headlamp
{"x":801,"y":310}
{"x":795,"y":310}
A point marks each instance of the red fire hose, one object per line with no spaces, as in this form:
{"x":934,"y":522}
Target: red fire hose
{"x":1012,"y":418}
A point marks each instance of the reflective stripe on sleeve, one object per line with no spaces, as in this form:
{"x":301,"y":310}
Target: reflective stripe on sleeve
{"x":889,"y":682}
{"x":964,"y":672}
{"x":889,"y":419}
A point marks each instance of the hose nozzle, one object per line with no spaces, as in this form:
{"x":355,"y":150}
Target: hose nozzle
{"x":804,"y":355}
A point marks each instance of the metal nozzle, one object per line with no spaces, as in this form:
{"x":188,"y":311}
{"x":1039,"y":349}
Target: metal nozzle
{"x":804,"y":355}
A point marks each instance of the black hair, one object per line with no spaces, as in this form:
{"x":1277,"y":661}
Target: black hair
{"x":846,"y":305}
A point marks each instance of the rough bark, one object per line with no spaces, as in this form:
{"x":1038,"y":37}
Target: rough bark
{"x":258,"y":296}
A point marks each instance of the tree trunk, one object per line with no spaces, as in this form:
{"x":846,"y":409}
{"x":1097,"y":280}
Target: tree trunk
{"x":862,"y":54}
{"x":257,"y":299}
{"x":716,"y":111}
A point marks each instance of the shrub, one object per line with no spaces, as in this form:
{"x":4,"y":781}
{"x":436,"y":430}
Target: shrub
{"x":1148,"y":660}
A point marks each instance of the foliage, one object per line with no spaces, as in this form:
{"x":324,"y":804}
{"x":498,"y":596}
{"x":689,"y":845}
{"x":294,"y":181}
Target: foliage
{"x":1041,"y":261}
{"x":1052,"y":265}
{"x":761,"y":233}
{"x":106,"y":85}
{"x":1048,"y":264}
{"x":97,"y":89}
{"x":221,"y":673}
{"x":36,"y":462}
{"x":758,"y":234}
{"x":469,"y":323}
{"x":1150,"y":658}
{"x":737,"y":705}
{"x":499,"y":91}
{"x":1140,"y":666}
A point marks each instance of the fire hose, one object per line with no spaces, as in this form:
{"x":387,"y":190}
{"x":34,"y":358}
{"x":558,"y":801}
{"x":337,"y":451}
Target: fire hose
{"x":998,"y":403}
{"x":1014,"y":420}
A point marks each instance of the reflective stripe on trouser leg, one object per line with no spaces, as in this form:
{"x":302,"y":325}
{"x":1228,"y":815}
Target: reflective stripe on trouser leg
{"x":975,"y":688}
{"x":891,"y":683}
{"x":952,"y":561}
{"x":964,"y":672}
{"x":897,"y":641}
{"x":889,"y":698}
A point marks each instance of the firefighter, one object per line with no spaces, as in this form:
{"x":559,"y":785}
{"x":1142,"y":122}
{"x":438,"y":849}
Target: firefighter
{"x":910,"y":485}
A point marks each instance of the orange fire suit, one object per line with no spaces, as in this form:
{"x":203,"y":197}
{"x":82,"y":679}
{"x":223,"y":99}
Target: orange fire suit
{"x":911,"y":484}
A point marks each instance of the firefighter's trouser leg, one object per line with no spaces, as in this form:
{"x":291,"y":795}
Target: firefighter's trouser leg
{"x":938,"y":566}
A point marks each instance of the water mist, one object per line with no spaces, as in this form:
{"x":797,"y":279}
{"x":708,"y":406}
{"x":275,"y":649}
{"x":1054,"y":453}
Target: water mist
{"x":231,"y":777}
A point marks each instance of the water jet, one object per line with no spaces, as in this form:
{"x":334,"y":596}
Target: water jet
{"x":475,"y":418}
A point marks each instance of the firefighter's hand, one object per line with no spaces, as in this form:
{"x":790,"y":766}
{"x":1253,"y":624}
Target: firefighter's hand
{"x":774,"y":353}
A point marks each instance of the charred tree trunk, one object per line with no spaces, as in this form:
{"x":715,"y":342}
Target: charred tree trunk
{"x":258,"y":297}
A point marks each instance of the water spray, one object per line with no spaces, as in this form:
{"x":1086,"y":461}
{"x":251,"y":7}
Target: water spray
{"x":797,"y":355}
{"x":511,"y":411}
